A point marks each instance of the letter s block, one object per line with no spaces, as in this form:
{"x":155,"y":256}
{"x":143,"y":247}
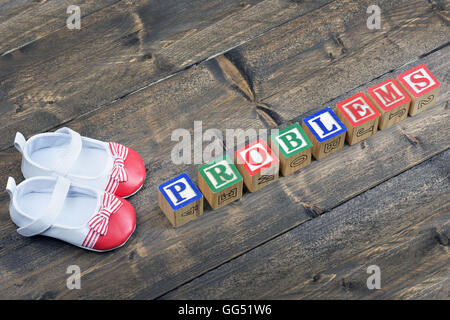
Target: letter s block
{"x":325,"y":131}
{"x":180,"y":200}
{"x":258,"y":165}
{"x":392,"y":102}
{"x":220,"y":182}
{"x":292,"y":147}
{"x":359,"y":116}
{"x":421,"y":86}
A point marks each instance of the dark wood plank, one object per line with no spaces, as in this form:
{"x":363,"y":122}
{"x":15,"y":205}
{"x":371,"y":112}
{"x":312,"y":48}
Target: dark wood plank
{"x":123,"y":48}
{"x":159,"y":258}
{"x":401,"y":225}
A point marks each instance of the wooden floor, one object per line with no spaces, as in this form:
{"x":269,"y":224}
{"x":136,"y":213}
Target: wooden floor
{"x":138,"y":69}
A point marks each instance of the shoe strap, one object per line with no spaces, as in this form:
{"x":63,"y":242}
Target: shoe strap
{"x":72,"y":153}
{"x":45,"y":221}
{"x":19,"y":142}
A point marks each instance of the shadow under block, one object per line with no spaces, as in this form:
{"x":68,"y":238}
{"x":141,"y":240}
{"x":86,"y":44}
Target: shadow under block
{"x":325,"y":131}
{"x":292,"y":147}
{"x":180,"y":200}
{"x":257,"y":164}
{"x":360,"y":117}
{"x":220,"y":182}
{"x":391,"y":101}
{"x":422,"y":87}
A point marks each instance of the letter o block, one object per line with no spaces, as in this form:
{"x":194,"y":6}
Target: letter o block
{"x":292,"y":147}
{"x":359,"y":116}
{"x":392,"y":102}
{"x":220,"y":182}
{"x":325,"y":131}
{"x":180,"y":200}
{"x":257,"y":164}
{"x":422,"y":87}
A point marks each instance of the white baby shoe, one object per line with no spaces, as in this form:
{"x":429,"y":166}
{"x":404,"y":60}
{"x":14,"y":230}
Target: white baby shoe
{"x":106,"y":166}
{"x":74,"y":213}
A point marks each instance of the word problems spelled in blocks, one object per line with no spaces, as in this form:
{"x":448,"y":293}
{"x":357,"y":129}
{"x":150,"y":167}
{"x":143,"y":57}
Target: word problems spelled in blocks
{"x":392,"y":102}
{"x":220,"y":182}
{"x":359,"y":116}
{"x":325,"y":131}
{"x":293,"y":148}
{"x":180,"y":200}
{"x":421,"y":86}
{"x":257,"y":164}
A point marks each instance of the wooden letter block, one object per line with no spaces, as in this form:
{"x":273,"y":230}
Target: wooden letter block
{"x":325,"y":131}
{"x":220,"y":182}
{"x":421,"y":86}
{"x":359,"y":116}
{"x":293,"y":148}
{"x":391,"y":101}
{"x":257,"y":164}
{"x":180,"y":200}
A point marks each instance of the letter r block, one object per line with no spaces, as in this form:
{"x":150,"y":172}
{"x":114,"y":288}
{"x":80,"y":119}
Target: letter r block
{"x":220,"y":182}
{"x":359,"y":116}
{"x":421,"y":86}
{"x":180,"y":200}
{"x":325,"y":131}
{"x":292,"y":147}
{"x":257,"y":164}
{"x":391,"y":101}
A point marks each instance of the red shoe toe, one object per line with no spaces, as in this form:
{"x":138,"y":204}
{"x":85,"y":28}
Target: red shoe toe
{"x":134,"y":165}
{"x":121,"y":225}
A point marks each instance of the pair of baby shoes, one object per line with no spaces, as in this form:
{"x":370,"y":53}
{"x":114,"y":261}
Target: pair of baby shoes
{"x":75,"y":189}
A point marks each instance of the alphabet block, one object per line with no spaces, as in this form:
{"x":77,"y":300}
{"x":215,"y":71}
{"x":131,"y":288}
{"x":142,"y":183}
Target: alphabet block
{"x":220,"y":182}
{"x":292,"y":147}
{"x":359,"y":116}
{"x":391,"y":101}
{"x":421,"y":86}
{"x":325,"y":131}
{"x":180,"y":200}
{"x":257,"y":164}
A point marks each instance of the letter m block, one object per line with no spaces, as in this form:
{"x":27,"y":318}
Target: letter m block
{"x":220,"y":182}
{"x":180,"y":200}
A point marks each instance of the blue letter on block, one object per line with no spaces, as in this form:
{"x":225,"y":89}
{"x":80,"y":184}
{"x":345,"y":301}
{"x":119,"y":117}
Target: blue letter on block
{"x":324,"y":124}
{"x":180,"y":191}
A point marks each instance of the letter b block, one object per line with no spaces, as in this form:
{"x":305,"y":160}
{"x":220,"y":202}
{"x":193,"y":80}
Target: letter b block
{"x":421,"y":86}
{"x":325,"y":131}
{"x":180,"y":200}
{"x":220,"y":182}
{"x":257,"y":164}
{"x":392,"y":102}
{"x":293,"y":148}
{"x":359,"y":116}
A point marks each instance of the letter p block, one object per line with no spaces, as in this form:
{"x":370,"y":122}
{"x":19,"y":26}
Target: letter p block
{"x":220,"y":182}
{"x":258,"y":165}
{"x":180,"y":200}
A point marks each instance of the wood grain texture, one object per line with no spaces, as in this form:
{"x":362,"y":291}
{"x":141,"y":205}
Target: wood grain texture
{"x":121,"y":49}
{"x":401,"y":225}
{"x":158,"y":258}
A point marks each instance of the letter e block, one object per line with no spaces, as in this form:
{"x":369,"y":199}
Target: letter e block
{"x":257,"y":164}
{"x":421,"y":86}
{"x":180,"y":200}
{"x":360,"y":117}
{"x":325,"y":131}
{"x":392,"y":102}
{"x":220,"y":182}
{"x":292,"y":147}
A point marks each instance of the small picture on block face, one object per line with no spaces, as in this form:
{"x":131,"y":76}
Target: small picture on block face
{"x":325,"y":131}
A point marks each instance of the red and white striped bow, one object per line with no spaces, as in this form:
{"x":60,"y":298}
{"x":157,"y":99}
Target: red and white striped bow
{"x":109,"y":206}
{"x":120,"y":153}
